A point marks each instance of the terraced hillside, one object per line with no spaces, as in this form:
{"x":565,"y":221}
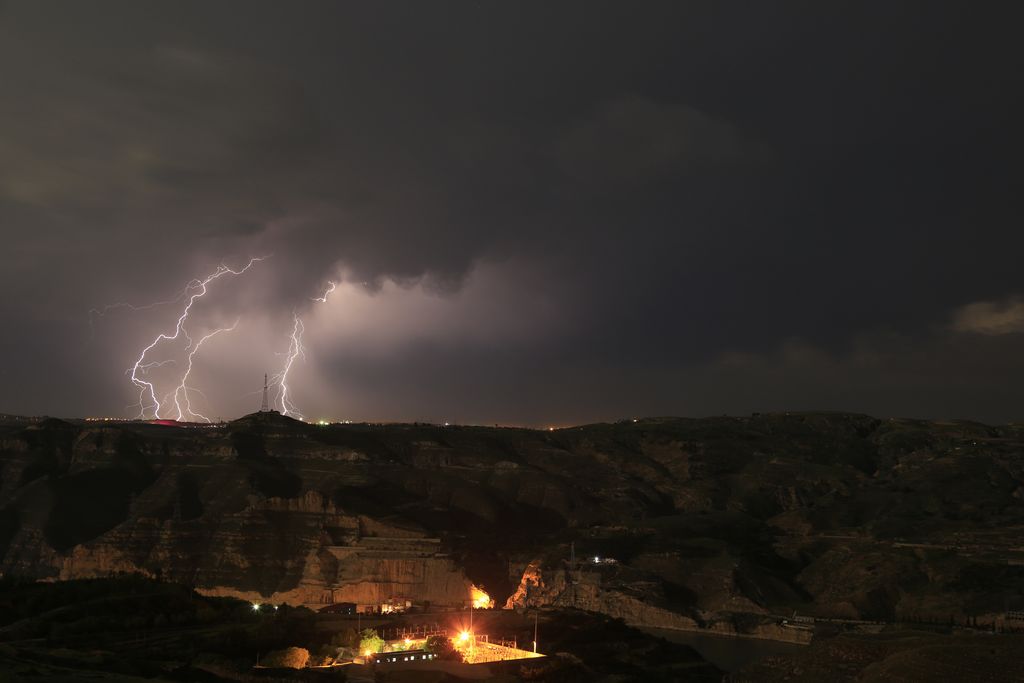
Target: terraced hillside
{"x":722,"y":523}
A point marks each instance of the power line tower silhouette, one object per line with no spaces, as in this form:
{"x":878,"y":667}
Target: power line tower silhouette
{"x":265,"y":406}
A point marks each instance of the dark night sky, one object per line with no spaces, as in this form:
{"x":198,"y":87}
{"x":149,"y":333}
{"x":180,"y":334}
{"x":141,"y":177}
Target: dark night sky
{"x":538,"y":213}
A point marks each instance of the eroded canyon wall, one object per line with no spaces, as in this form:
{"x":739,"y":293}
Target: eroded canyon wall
{"x":702,"y":521}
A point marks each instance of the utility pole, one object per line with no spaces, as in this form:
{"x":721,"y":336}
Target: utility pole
{"x":265,"y":407}
{"x":535,"y":632}
{"x":472,"y":636}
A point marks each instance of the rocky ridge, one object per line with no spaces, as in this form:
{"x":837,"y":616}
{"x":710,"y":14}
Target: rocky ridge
{"x":721,"y":523}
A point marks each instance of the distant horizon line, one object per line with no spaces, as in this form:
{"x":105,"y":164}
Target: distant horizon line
{"x":498,"y":425}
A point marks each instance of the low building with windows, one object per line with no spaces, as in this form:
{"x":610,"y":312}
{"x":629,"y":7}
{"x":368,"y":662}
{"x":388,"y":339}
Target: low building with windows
{"x":404,"y":657}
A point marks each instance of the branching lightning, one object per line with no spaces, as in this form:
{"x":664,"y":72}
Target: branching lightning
{"x":295,"y":350}
{"x":178,"y":401}
{"x":183,"y":388}
{"x":95,"y":313}
{"x":194,"y":290}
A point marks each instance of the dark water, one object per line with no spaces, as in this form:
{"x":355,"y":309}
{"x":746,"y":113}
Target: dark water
{"x":725,"y":652}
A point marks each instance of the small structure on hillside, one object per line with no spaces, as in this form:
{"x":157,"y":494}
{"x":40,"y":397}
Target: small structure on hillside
{"x":405,"y":657}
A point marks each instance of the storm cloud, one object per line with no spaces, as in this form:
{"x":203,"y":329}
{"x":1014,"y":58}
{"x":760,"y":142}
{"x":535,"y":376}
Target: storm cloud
{"x":536,"y":213}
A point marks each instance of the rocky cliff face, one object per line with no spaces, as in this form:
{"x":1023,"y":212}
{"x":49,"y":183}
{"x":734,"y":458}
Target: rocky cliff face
{"x":839,"y":516}
{"x":639,"y":603}
{"x":298,"y":563}
{"x":218,"y":510}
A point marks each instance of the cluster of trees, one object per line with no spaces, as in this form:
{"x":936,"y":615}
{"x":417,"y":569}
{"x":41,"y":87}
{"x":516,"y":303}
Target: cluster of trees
{"x":347,"y":639}
{"x":443,"y":648}
{"x":288,"y":658}
{"x":146,"y":621}
{"x":350,"y":643}
{"x":370,"y":642}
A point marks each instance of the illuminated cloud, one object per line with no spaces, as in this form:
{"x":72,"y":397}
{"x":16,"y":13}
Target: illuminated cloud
{"x":991,"y":317}
{"x":531,"y":213}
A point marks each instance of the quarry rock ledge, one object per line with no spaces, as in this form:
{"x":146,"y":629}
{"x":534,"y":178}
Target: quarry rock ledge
{"x":537,"y":591}
{"x":719,"y":524}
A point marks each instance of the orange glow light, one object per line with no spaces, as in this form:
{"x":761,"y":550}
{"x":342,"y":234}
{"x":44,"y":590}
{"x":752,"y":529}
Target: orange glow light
{"x":481,"y":600}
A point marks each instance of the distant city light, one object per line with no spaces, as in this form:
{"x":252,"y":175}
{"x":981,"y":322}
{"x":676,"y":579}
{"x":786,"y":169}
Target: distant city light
{"x":597,"y":559}
{"x":255,"y":607}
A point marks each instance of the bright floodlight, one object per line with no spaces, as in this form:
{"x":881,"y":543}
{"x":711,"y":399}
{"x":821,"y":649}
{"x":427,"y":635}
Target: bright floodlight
{"x":464,"y":636}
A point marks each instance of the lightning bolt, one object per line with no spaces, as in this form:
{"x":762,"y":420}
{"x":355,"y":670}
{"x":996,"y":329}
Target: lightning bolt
{"x":182,"y":388}
{"x":331,"y":286}
{"x":194,"y":290}
{"x":155,"y":364}
{"x":95,"y":313}
{"x":295,"y":350}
